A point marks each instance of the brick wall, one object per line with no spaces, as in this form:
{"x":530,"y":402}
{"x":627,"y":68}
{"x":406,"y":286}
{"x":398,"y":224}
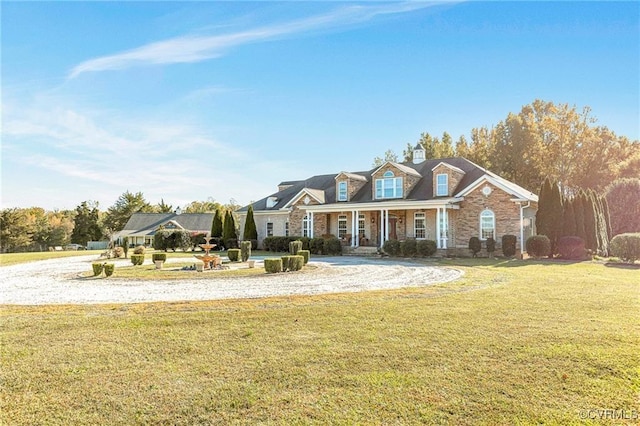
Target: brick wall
{"x":453,"y":180}
{"x":408,"y":181}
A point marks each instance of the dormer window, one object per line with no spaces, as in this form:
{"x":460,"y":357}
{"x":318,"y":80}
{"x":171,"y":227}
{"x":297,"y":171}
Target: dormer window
{"x":389,"y":186}
{"x":442,"y":185}
{"x":342,"y":191}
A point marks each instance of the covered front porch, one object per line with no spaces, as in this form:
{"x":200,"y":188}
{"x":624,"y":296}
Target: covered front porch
{"x":373,"y":225}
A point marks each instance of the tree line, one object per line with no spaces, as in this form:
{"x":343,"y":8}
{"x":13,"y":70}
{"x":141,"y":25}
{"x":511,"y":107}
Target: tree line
{"x":34,"y":229}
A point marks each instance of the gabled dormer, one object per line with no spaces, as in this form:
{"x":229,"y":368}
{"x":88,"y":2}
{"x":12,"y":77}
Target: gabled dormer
{"x":347,"y":184}
{"x":393,"y":180}
{"x":446,"y":179}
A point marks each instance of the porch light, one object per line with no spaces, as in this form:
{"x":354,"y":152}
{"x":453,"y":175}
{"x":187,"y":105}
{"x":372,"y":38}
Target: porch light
{"x":373,"y":220}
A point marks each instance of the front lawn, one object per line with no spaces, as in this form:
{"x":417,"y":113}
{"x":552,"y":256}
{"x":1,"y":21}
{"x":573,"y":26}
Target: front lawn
{"x":512,"y":342}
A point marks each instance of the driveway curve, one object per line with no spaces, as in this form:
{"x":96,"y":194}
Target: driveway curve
{"x":56,"y":281}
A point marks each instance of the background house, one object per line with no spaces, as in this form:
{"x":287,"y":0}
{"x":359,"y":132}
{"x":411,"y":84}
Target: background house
{"x":446,"y":200}
{"x":141,"y":227}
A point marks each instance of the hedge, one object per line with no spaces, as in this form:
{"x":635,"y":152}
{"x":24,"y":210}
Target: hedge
{"x":538,"y":246}
{"x":426,"y":248}
{"x":137,"y":259}
{"x":159,"y":256}
{"x":245,"y":250}
{"x":109,"y":268}
{"x":97,"y":268}
{"x":233,"y":254}
{"x":626,"y":247}
{"x":572,"y":248}
{"x":409,"y":248}
{"x":139,"y":250}
{"x":273,"y":265}
{"x":316,"y":245}
{"x":306,"y":254}
{"x":295,"y":247}
{"x":332,"y":246}
{"x":491,"y":245}
{"x":292,"y":263}
{"x":392,"y":247}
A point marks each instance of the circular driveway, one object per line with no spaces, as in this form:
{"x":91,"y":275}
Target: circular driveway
{"x":56,"y":281}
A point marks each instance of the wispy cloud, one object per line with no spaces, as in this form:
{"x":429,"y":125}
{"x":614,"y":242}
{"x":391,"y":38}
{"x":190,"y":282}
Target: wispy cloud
{"x":192,"y":48}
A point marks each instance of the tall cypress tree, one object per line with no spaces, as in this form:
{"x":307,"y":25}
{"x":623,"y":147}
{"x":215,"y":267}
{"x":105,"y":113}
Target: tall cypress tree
{"x":569,"y":218}
{"x":250,"y":231}
{"x":216,"y":227}
{"x":578,"y":211}
{"x":605,"y":209}
{"x":542,"y":215}
{"x":590,"y":222}
{"x":555,"y":216}
{"x":603,"y":235}
{"x":229,"y":229}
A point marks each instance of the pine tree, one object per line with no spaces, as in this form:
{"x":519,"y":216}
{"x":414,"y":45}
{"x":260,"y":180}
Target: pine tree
{"x":250,"y":231}
{"x":229,"y":230}
{"x":217,"y":226}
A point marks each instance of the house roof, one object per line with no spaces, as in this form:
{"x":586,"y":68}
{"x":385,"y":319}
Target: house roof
{"x":148,"y":223}
{"x":423,"y":190}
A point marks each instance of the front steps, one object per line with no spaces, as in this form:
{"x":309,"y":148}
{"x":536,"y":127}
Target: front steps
{"x":359,"y":251}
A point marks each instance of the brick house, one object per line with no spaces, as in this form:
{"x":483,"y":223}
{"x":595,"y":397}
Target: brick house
{"x":446,"y":200}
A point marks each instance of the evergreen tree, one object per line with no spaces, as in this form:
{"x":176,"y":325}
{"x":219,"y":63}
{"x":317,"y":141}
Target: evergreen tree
{"x":217,"y":226}
{"x":607,"y":218}
{"x":543,"y":225}
{"x":578,"y":210}
{"x":229,"y":229}
{"x":590,"y":228}
{"x":250,"y":231}
{"x":603,"y":235}
{"x":569,"y":219}
{"x":556,"y":216}
{"x":86,"y":224}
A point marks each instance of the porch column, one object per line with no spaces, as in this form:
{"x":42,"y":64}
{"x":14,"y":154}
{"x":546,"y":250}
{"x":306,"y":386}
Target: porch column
{"x":445,"y":226}
{"x":356,"y":236}
{"x":386,"y":225}
{"x":381,"y":228}
{"x":353,"y":228}
{"x":438,"y":242}
{"x":311,"y":224}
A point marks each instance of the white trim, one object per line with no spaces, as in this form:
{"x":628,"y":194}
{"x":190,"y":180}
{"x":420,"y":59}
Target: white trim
{"x":401,"y":167}
{"x":493,"y":219}
{"x":446,"y":183}
{"x":306,"y":191}
{"x":339,"y":191}
{"x":392,"y":204}
{"x":525,"y":196}
{"x":454,"y":168}
{"x":353,"y":176}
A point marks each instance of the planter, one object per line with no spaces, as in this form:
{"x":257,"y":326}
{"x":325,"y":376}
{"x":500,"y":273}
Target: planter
{"x":200,"y":267}
{"x":158,"y":264}
{"x":252,"y":263}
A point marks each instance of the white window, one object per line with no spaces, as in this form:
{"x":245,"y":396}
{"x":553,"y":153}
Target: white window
{"x":487,"y":225}
{"x":269,"y":229}
{"x":342,"y":191}
{"x":342,"y":225}
{"x":286,"y":229}
{"x":442,"y":185}
{"x":305,"y":226}
{"x":361,"y":225}
{"x":420,"y":225}
{"x":389,"y":186}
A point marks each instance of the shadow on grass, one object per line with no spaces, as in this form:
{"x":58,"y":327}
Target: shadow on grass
{"x":510,"y":263}
{"x":622,"y":265}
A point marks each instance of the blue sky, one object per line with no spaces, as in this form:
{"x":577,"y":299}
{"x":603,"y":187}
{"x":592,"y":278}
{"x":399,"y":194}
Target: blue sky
{"x":188,"y":101}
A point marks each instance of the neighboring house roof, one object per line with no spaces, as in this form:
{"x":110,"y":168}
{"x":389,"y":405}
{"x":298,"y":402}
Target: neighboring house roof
{"x":474,"y":175}
{"x":148,"y":223}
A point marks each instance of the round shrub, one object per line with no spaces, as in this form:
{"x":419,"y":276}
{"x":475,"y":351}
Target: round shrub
{"x":409,"y":248}
{"x":118,"y":252}
{"x":139,"y":250}
{"x":475,"y":246}
{"x":97,"y":268}
{"x":159,"y":256}
{"x":426,"y":248}
{"x":306,"y":254}
{"x":626,"y":247}
{"x":392,"y":247}
{"x":109,"y":268}
{"x":572,"y":248}
{"x":316,"y":245}
{"x":233,"y":254}
{"x":245,"y":250}
{"x":137,"y":259}
{"x":538,"y":246}
{"x":509,"y":245}
{"x":273,"y":265}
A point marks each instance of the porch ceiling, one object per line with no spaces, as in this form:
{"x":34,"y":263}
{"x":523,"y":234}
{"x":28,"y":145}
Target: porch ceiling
{"x":449,"y":203}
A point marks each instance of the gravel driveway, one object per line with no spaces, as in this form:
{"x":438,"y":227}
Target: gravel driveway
{"x":56,"y":281}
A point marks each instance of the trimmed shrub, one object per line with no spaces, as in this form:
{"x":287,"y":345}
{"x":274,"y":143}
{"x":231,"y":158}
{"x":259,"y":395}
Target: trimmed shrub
{"x":278,"y":244}
{"x":295,"y":247}
{"x":571,"y":247}
{"x":409,"y":248}
{"x":305,"y":242}
{"x":316,"y":245}
{"x":125,"y":246}
{"x":109,"y":268}
{"x":332,"y":246}
{"x":118,"y":252}
{"x":137,"y":259}
{"x":254,"y":244}
{"x":491,"y":245}
{"x":231,"y":243}
{"x":292,"y":263}
{"x":166,"y":239}
{"x":97,"y":268}
{"x":626,"y":247}
{"x":245,"y":250}
{"x":509,"y":245}
{"x":538,"y":246}
{"x":273,"y":265}
{"x":159,"y":256}
{"x":139,"y":250}
{"x":426,"y":248}
{"x":475,"y":246}
{"x":233,"y":254}
{"x":392,"y":247}
{"x":306,"y":254}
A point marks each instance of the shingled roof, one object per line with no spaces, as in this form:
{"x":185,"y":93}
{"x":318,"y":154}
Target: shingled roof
{"x":148,"y":223}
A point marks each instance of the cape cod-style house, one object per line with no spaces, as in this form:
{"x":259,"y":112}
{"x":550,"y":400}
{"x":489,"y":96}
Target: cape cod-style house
{"x":141,"y":227}
{"x":446,"y":200}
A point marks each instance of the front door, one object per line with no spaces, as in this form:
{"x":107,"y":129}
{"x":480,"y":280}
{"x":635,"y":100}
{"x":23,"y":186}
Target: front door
{"x":393,"y":235}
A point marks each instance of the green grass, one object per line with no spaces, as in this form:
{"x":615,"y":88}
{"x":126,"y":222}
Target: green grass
{"x":510,"y":343}
{"x":7,"y":259}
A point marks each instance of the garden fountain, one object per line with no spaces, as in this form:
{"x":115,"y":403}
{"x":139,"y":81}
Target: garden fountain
{"x":209,"y":261}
